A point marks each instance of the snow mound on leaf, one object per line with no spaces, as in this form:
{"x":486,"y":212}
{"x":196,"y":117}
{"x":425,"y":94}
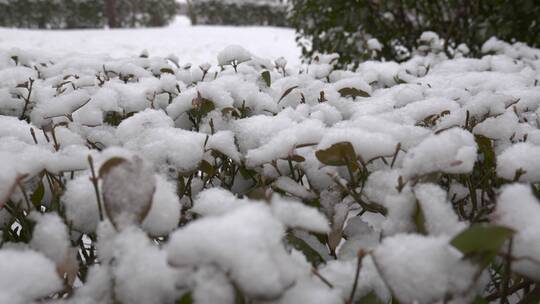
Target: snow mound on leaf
{"x":233,"y":53}
{"x":519,"y":209}
{"x":520,"y":160}
{"x":26,"y":276}
{"x":422,"y":269}
{"x":164,"y":213}
{"x":81,"y":204}
{"x":245,"y":243}
{"x":451,"y":151}
{"x":50,"y":236}
{"x":437,"y":210}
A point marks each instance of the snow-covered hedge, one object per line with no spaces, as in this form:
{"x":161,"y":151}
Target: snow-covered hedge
{"x":351,"y":27}
{"x":148,"y":180}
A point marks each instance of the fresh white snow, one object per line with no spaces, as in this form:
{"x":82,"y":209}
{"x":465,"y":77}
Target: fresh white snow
{"x":193,"y":44}
{"x":217,"y":180}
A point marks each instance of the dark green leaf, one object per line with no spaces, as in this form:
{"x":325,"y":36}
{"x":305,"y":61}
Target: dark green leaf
{"x":167,"y":70}
{"x":370,"y":298}
{"x":266,"y":77}
{"x":420,"y":220}
{"x":246,"y":173}
{"x":239,"y":297}
{"x":296,"y":158}
{"x":481,"y":243}
{"x":38,"y":194}
{"x":353,"y":92}
{"x":311,"y":254}
{"x":207,"y":168}
{"x":202,"y":106}
{"x":181,"y":188}
{"x":339,"y":154}
{"x":480,"y":300}
{"x":185,"y":299}
{"x":398,"y":80}
{"x":207,"y":106}
{"x":486,"y":148}
{"x":480,"y":239}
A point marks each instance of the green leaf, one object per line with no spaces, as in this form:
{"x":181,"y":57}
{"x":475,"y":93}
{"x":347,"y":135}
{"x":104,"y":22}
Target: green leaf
{"x":370,"y":298}
{"x":166,"y":70}
{"x":181,"y":188}
{"x":247,"y":173}
{"x":296,"y":158}
{"x":201,"y":106}
{"x":481,"y":243}
{"x":287,"y":92}
{"x":398,"y":80}
{"x":38,"y":194}
{"x":207,"y":168}
{"x":311,"y":254}
{"x":207,"y":106}
{"x":185,"y":299}
{"x":486,"y":148}
{"x":339,"y":154}
{"x":480,"y":300}
{"x":481,"y":239}
{"x":420,"y":220}
{"x":266,"y":77}
{"x":353,"y":92}
{"x":239,"y":297}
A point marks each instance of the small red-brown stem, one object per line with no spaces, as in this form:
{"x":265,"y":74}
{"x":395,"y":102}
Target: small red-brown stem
{"x":361,"y":255}
{"x":94,"y":181}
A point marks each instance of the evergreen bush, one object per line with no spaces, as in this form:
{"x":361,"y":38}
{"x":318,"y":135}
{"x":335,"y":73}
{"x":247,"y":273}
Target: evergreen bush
{"x":61,"y":14}
{"x":239,"y":12}
{"x":346,"y":27}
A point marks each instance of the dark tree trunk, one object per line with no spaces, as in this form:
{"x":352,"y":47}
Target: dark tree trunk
{"x":191,"y":13}
{"x":110,"y":13}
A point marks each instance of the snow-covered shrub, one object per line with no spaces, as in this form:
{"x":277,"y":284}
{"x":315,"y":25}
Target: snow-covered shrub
{"x":360,"y":30}
{"x":148,"y":180}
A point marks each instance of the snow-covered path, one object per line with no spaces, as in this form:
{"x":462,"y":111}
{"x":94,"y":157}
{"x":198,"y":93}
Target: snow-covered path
{"x":195,"y":44}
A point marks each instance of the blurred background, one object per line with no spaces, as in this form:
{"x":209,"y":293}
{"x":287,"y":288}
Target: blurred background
{"x":193,"y":30}
{"x":358,"y":30}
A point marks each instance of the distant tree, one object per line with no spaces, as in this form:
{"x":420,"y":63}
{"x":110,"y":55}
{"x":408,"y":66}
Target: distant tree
{"x":233,"y":12}
{"x":138,"y":13}
{"x":110,"y":12}
{"x":57,"y":14}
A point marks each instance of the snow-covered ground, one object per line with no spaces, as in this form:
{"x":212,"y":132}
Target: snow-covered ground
{"x":195,"y":44}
